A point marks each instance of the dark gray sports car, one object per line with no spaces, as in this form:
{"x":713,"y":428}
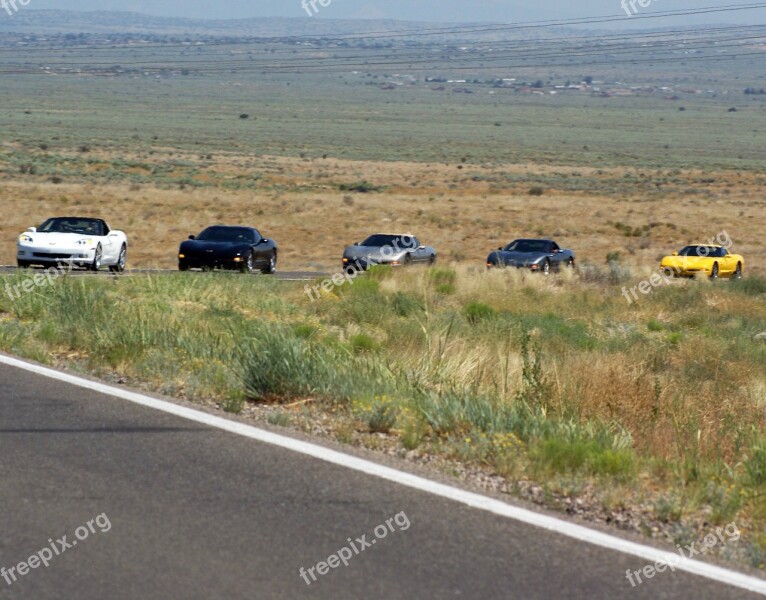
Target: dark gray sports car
{"x":242,"y":248}
{"x":537,"y":255}
{"x":387,"y":249}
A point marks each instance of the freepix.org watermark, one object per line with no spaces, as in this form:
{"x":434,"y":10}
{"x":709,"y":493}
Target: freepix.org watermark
{"x":690,"y":551}
{"x":665,"y":276}
{"x":12,"y":6}
{"x":354,"y":268}
{"x":354,"y":548}
{"x":46,"y":277}
{"x":55,"y":549}
{"x":629,"y":6}
{"x":310,"y":6}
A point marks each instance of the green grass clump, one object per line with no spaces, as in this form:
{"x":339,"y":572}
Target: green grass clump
{"x":578,"y":456}
{"x":756,"y":464}
{"x":750,"y":286}
{"x":276,"y":364}
{"x":476,"y":312}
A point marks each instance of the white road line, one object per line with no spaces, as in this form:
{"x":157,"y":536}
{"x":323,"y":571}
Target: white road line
{"x":566,"y":528}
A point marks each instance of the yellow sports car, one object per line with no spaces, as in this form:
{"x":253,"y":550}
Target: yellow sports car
{"x":703,"y":259}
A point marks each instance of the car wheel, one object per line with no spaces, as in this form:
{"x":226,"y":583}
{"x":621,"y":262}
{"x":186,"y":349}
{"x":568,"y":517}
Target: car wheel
{"x":182,"y":266}
{"x":571,"y":263}
{"x":271,"y":268}
{"x":23,"y":264}
{"x":122,"y":260}
{"x":249,"y":264}
{"x":738,"y":272}
{"x":407,"y":260}
{"x":668,"y":272}
{"x":432,"y":260}
{"x":714,"y":273}
{"x":546,"y":267}
{"x":96,"y":264}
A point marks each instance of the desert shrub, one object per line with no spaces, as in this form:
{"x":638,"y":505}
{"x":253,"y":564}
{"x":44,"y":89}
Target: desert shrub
{"x":363,"y":343}
{"x":442,"y":276}
{"x":749,"y":286}
{"x":584,"y":456}
{"x":476,"y":312}
{"x":361,"y":187}
{"x":404,"y":304}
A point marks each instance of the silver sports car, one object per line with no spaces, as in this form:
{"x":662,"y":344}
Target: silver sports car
{"x":387,"y":249}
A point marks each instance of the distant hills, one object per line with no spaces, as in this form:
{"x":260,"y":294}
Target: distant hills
{"x":63,"y":21}
{"x":42,"y":22}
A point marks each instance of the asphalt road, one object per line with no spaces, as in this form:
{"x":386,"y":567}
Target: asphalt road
{"x":283,"y":275}
{"x":196,"y":512}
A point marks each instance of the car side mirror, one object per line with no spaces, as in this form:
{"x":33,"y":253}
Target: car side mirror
{"x":357,"y":243}
{"x":675,"y":253}
{"x":500,"y":248}
{"x":32,"y":229}
{"x":114,"y":234}
{"x":191,"y":237}
{"x":264,"y":241}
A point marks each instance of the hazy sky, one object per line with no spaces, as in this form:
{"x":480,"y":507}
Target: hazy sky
{"x":428,"y":10}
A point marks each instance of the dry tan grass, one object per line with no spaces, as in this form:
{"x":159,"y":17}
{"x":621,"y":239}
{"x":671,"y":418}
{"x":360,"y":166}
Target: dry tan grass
{"x":300,"y":206}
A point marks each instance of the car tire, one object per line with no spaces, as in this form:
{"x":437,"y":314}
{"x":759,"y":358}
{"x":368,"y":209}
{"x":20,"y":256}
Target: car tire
{"x":546,"y":270}
{"x":249,"y":264}
{"x":571,"y":263}
{"x":271,"y":267}
{"x":432,"y":260}
{"x":182,"y":266}
{"x":407,"y":260}
{"x":738,"y":272}
{"x":714,"y":272}
{"x":23,"y":264}
{"x":122,"y":260}
{"x":96,"y":264}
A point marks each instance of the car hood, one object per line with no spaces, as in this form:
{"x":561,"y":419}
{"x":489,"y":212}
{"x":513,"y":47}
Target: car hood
{"x":57,"y":239}
{"x":376,"y":253}
{"x":688,"y":262}
{"x":521,"y":257}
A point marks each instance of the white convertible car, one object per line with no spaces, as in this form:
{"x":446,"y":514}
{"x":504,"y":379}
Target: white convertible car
{"x":80,"y":241}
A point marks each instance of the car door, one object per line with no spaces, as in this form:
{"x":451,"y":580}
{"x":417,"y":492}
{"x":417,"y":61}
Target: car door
{"x":419,"y":255}
{"x":259,"y":249}
{"x":109,"y":247}
{"x":554,"y":252}
{"x":727,"y":262}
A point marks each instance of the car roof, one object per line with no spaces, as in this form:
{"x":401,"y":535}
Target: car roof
{"x":81,"y":218}
{"x":230,"y":227}
{"x":395,"y":234}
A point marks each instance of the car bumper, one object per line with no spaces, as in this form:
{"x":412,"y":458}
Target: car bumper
{"x":49,"y":256}
{"x":534,"y":267}
{"x":362,"y":264}
{"x":218,"y":262}
{"x":684,"y":272}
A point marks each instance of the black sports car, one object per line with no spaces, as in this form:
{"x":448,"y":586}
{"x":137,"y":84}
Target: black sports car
{"x":537,"y":255}
{"x":242,"y":248}
{"x":387,"y":249}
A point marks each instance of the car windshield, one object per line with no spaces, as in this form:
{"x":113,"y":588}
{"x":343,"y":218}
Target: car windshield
{"x":73,"y":225}
{"x":227,"y":234}
{"x":379,"y":240}
{"x":702,"y":251}
{"x":528,"y":246}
